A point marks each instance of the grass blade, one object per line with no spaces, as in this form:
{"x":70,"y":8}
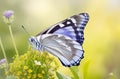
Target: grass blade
{"x":75,"y":72}
{"x":62,"y":76}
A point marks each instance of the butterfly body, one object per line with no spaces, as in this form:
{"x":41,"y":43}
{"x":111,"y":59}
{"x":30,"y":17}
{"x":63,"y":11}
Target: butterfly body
{"x":64,"y":40}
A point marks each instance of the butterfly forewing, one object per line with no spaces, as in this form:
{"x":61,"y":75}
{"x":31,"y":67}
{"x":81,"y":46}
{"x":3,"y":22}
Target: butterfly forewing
{"x":72,"y":27}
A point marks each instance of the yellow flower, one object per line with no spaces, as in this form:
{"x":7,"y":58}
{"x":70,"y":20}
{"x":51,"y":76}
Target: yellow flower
{"x":19,"y":73}
{"x":42,"y":66}
{"x":25,"y":67}
{"x":29,"y":76}
{"x":29,"y":70}
{"x":25,"y":73}
{"x":34,"y":75}
{"x":40,"y":76}
{"x":16,"y":77}
{"x":43,"y":72}
{"x":6,"y":73}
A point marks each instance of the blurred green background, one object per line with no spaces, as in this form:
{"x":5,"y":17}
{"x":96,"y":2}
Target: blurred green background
{"x":102,"y":33}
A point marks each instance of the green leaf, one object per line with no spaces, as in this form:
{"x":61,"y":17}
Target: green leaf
{"x":62,"y":76}
{"x":85,"y":71}
{"x":75,"y":72}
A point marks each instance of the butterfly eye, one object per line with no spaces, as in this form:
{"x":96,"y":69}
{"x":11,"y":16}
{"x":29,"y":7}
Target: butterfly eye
{"x":31,"y":40}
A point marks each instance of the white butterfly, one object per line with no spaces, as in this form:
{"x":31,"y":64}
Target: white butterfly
{"x":64,"y":40}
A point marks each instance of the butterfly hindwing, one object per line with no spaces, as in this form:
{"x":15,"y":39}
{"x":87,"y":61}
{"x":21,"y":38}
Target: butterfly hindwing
{"x":68,"y":51}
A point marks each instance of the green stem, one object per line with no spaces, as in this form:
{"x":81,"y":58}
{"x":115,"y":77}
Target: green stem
{"x":13,"y":40}
{"x":3,"y":50}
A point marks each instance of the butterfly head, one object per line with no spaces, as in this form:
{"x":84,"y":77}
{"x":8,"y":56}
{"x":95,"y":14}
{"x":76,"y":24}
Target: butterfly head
{"x":34,"y":42}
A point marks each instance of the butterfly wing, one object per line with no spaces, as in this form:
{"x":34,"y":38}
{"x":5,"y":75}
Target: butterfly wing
{"x":66,"y":49}
{"x":72,"y":27}
{"x":65,"y":39}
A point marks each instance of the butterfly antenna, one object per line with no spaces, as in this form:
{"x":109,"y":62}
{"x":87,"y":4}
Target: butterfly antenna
{"x":26,"y":30}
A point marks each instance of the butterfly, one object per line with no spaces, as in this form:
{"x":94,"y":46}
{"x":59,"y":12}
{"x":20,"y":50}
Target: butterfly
{"x":63,"y":40}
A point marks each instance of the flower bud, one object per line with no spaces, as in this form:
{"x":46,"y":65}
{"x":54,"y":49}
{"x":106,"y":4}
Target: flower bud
{"x":8,"y":16}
